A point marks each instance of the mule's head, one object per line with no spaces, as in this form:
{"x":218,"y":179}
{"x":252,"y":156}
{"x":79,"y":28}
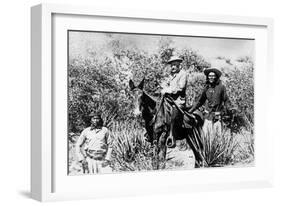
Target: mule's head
{"x":138,"y":91}
{"x":144,"y":105}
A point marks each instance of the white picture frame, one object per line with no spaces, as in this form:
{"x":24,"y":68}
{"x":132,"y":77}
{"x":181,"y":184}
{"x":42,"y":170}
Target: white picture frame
{"x":46,"y":182}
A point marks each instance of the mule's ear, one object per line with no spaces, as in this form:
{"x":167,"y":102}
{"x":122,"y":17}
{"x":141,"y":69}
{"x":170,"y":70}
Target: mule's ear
{"x":140,"y":86}
{"x":131,"y":85}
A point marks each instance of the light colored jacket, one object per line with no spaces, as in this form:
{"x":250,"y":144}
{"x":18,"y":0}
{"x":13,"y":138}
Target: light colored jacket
{"x":96,"y":141}
{"x":176,"y":86}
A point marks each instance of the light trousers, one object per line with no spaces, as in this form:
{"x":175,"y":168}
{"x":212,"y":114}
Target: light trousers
{"x":94,"y":166}
{"x":212,"y":129}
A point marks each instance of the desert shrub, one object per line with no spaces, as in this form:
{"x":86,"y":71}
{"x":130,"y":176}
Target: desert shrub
{"x":101,"y":84}
{"x":194,"y":59}
{"x":195,"y":85}
{"x":219,"y":150}
{"x":240,"y":88}
{"x":96,"y":86}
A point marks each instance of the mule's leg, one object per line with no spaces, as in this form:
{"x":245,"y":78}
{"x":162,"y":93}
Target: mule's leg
{"x":171,"y":142}
{"x":196,"y":146}
{"x":155,"y":159}
{"x":194,"y":150}
{"x":162,"y":151}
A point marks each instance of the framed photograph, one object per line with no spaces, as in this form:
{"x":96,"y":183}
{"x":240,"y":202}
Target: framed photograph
{"x":137,"y":102}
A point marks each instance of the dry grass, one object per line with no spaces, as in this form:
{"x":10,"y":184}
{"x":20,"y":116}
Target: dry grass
{"x":246,"y":150}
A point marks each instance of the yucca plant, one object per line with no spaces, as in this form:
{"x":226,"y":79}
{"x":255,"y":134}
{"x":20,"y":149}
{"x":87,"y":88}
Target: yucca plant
{"x":219,"y":150}
{"x":130,"y":151}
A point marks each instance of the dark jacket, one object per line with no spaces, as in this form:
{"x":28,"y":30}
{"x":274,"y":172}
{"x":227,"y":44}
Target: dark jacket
{"x":214,"y":98}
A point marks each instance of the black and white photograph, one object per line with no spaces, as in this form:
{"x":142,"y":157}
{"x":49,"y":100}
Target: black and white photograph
{"x":145,"y":102}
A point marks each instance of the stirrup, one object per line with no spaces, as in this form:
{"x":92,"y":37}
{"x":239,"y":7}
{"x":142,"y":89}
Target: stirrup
{"x":173,"y":142}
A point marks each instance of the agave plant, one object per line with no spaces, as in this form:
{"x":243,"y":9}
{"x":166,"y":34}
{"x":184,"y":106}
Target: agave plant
{"x":218,"y":149}
{"x":130,"y":151}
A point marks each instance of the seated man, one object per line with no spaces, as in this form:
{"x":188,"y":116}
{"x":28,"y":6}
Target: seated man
{"x":175,"y":87}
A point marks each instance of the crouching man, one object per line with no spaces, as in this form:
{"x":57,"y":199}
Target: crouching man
{"x":94,"y":146}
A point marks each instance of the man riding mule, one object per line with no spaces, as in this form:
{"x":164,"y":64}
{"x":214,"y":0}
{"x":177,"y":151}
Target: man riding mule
{"x":175,"y":89}
{"x":164,"y":118}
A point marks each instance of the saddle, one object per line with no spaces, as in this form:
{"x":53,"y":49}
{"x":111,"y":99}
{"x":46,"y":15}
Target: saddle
{"x":189,"y":120}
{"x":192,"y":120}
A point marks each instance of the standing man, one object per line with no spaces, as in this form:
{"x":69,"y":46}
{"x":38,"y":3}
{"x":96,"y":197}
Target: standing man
{"x":215,"y":99}
{"x":175,"y":87}
{"x":94,"y":146}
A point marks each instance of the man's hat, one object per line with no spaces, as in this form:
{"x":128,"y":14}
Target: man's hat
{"x":215,"y":70}
{"x":95,"y":115}
{"x":174,"y":59}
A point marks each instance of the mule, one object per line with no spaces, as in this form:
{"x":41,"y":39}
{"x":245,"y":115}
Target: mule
{"x":156,"y":114}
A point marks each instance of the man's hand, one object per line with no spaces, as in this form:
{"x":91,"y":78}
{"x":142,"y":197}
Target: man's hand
{"x":166,"y":90}
{"x":105,"y":163}
{"x":82,"y":161}
{"x":84,"y":164}
{"x":191,"y":110}
{"x":163,"y":91}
